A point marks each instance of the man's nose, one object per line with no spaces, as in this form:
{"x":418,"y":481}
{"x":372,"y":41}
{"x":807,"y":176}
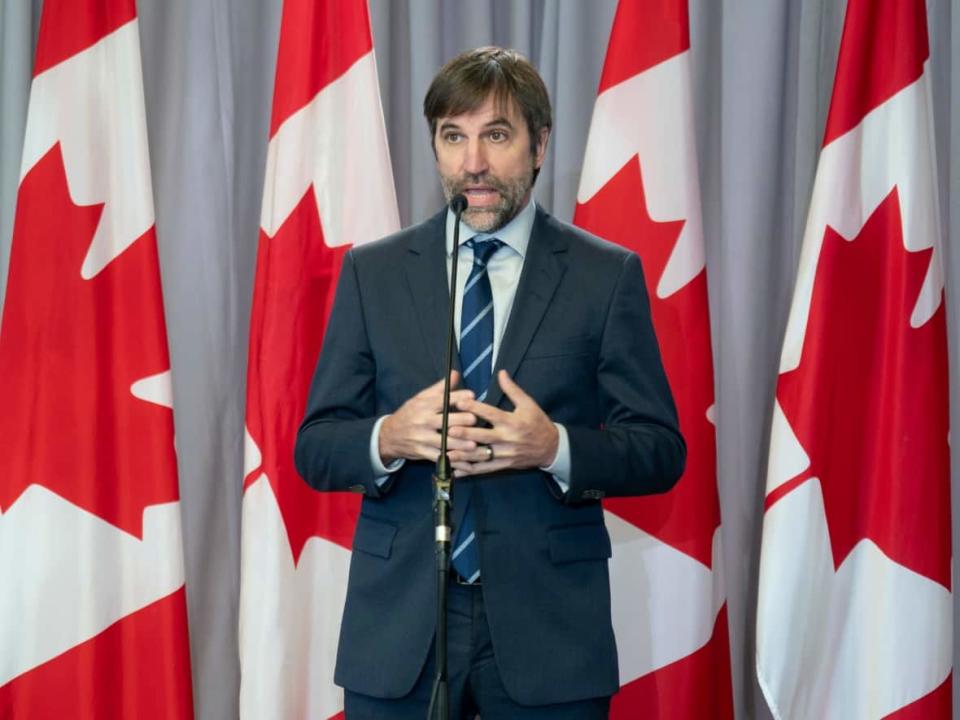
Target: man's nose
{"x":475,"y":159}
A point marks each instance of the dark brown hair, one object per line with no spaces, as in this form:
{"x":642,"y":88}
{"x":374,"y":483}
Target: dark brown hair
{"x":466,"y":81}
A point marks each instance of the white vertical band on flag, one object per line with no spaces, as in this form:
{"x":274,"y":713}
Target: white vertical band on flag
{"x":665,"y":602}
{"x":870,"y":636}
{"x":75,"y":574}
{"x":311,"y":593}
{"x":290,"y":607}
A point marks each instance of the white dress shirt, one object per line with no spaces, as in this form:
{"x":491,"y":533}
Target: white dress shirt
{"x":503,"y":269}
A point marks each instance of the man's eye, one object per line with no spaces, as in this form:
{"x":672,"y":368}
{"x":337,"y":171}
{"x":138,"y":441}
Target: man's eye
{"x":498,"y":136}
{"x":453,"y":137}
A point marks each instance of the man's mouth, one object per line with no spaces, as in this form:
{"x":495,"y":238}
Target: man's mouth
{"x":481,"y":195}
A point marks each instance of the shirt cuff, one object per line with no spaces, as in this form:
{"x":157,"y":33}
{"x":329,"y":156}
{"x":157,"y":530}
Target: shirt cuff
{"x":381,"y":472}
{"x":560,"y":467}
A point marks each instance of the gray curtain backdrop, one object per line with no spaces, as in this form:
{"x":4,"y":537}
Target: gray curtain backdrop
{"x":763,"y":72}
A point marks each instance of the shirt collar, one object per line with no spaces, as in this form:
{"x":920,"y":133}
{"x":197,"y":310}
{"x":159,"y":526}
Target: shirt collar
{"x":515,"y":234}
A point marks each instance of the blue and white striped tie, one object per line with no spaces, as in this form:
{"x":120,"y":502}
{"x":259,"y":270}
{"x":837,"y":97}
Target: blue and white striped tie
{"x":476,"y":354}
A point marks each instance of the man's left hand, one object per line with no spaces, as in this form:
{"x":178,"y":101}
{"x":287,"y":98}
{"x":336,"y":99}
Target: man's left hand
{"x":524,"y":438}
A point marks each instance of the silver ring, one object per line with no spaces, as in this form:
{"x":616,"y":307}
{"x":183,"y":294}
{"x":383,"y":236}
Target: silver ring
{"x":489,"y":453}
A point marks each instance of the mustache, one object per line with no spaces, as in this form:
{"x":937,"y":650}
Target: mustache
{"x":483,"y":179}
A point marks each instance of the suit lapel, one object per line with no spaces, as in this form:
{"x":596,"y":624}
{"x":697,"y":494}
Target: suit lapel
{"x":427,"y":282}
{"x":543,"y":268}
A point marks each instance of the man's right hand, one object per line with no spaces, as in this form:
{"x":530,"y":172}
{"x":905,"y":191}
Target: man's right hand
{"x":413,"y":431}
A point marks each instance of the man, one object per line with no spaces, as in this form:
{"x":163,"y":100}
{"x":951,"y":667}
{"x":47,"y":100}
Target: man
{"x":562,"y":400}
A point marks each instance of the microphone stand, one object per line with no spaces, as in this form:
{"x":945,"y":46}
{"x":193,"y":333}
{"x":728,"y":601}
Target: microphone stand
{"x":442,"y":489}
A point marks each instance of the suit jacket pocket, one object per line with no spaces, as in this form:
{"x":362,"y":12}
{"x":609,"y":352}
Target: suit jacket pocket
{"x":374,"y":537}
{"x":579,"y":542}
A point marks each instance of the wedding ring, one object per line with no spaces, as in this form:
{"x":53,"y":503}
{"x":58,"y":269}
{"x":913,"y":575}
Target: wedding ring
{"x":489,"y":453}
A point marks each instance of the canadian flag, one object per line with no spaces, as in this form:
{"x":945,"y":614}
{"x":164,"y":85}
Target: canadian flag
{"x":855,"y":602}
{"x":329,"y":185}
{"x":92,"y":612}
{"x":640,"y":188}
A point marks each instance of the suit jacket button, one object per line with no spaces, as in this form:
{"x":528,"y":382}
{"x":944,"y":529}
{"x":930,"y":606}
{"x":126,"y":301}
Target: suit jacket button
{"x":593,"y":494}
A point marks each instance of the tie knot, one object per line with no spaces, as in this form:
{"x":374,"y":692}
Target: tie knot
{"x":483,"y":250}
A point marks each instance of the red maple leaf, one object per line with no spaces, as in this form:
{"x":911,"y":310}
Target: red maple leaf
{"x":868,"y":401}
{"x":293,"y":295}
{"x":70,"y":350}
{"x":686,"y":517}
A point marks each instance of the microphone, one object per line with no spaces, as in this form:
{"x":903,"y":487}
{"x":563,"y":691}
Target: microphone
{"x":439,"y":708}
{"x":458,"y":203}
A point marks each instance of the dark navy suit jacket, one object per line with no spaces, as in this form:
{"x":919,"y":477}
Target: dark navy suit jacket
{"x":579,"y":340}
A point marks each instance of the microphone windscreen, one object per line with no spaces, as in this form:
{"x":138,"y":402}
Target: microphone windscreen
{"x":458,"y":203}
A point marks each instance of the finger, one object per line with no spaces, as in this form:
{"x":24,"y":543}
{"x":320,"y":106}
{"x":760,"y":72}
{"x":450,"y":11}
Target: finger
{"x":427,"y":438}
{"x":511,"y":389}
{"x":455,"y":419}
{"x":459,"y":396}
{"x":460,"y":445}
{"x":432,"y":389}
{"x":484,"y":436}
{"x":434,"y":402}
{"x":462,"y":419}
{"x":476,"y":454}
{"x":484,"y":453}
{"x":456,"y":397}
{"x":438,"y":386}
{"x":463,"y":467}
{"x":428,"y":453}
{"x":479,"y":468}
{"x":492,"y":415}
{"x":431,"y":439}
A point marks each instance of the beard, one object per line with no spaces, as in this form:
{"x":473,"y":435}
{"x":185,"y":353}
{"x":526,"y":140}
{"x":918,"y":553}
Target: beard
{"x":513,"y":194}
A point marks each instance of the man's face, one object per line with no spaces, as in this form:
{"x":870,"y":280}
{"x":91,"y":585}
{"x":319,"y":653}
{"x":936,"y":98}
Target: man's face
{"x":486,"y":155}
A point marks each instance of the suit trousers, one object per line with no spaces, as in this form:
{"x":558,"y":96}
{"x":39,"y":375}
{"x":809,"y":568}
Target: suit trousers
{"x":473,"y":680}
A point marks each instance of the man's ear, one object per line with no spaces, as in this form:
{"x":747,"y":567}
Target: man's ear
{"x":540,"y":152}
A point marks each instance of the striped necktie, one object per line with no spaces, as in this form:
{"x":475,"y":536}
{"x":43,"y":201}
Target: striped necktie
{"x":476,"y":355}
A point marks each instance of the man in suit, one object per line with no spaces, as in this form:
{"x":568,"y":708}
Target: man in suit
{"x":561,"y":401}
